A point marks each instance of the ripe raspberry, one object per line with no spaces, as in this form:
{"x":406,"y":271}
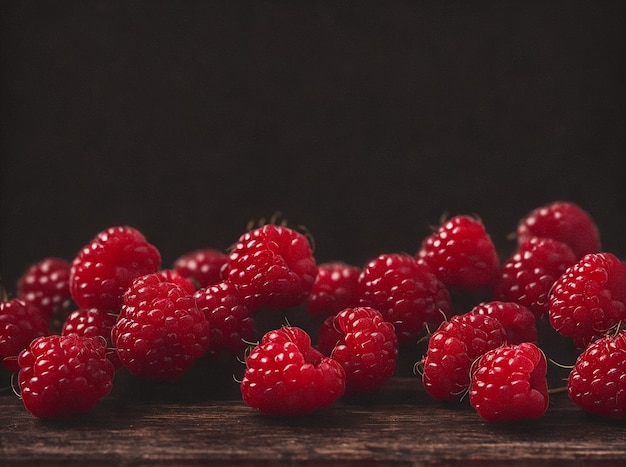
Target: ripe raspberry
{"x":453,"y":348}
{"x":597,"y":383}
{"x":563,"y":221}
{"x":104,"y":269}
{"x":160,"y":331}
{"x":20,"y":323}
{"x":64,"y":375}
{"x":334,"y":289}
{"x":202,"y":267}
{"x":286,"y":376}
{"x":46,"y":284}
{"x":462,"y":254}
{"x":589,"y":298}
{"x":91,"y":322}
{"x":528,"y":275}
{"x":408,"y":294}
{"x":171,"y":275}
{"x":272,"y":266}
{"x":509,"y":383}
{"x":230,"y":319}
{"x":364,"y":344}
{"x":518,"y":321}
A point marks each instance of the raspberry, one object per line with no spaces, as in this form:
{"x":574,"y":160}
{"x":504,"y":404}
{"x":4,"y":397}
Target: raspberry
{"x":91,"y":322}
{"x":20,"y":323}
{"x":597,"y":383}
{"x":272,"y":266}
{"x":364,"y":344}
{"x":202,"y":267}
{"x":160,"y":331}
{"x":509,"y":383}
{"x":408,"y":294}
{"x":453,"y":348}
{"x":64,"y":375}
{"x":334,"y":289}
{"x":230,"y":319}
{"x":462,"y":254}
{"x":589,"y":298}
{"x":563,"y":221}
{"x":171,"y":275}
{"x":286,"y":376}
{"x":518,"y":321}
{"x":103,"y":269}
{"x":528,"y":275}
{"x":46,"y":284}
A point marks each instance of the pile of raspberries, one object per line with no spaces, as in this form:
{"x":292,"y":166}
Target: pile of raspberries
{"x":72,"y":325}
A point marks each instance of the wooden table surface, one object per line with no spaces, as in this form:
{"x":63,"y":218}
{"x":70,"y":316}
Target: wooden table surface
{"x":201,"y":420}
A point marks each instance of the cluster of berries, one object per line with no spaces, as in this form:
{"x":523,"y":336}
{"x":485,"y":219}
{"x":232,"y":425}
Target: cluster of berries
{"x":73,"y":324}
{"x":491,"y":352}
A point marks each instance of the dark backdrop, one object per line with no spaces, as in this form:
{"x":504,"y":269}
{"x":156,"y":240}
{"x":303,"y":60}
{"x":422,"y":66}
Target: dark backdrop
{"x":364,"y":121}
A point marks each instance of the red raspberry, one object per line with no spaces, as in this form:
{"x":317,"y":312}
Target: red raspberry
{"x":364,"y":344}
{"x":563,"y":221}
{"x":334,"y":289}
{"x":597,"y":383}
{"x":104,"y":269}
{"x":46,"y":284}
{"x":272,"y":266}
{"x":518,"y":321}
{"x":20,"y":323}
{"x":408,"y":294}
{"x":230,"y":319}
{"x":462,"y":254}
{"x":286,"y":376}
{"x":160,"y":331}
{"x":91,"y":322}
{"x":171,"y":275}
{"x":452,"y":350}
{"x":202,"y":267}
{"x":64,"y":375}
{"x":589,"y":298}
{"x":528,"y":275}
{"x":509,"y":383}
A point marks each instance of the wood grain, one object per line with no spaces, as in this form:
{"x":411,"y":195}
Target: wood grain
{"x":199,"y":422}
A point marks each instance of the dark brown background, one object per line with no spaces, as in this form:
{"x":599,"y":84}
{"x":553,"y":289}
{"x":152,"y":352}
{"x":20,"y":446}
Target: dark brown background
{"x":365,"y":121}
